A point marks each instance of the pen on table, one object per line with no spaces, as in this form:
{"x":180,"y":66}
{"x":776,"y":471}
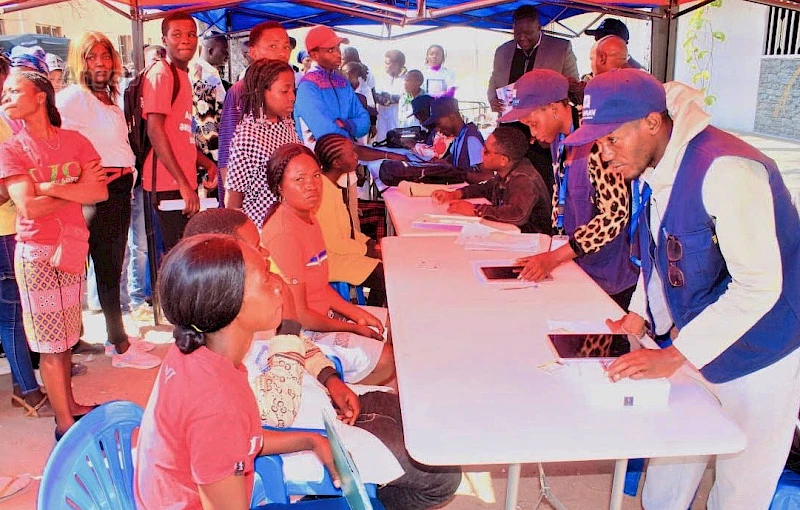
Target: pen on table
{"x":531,"y":286}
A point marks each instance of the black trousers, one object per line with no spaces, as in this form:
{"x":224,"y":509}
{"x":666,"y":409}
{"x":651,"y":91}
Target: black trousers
{"x":108,"y":224}
{"x":376,"y":282}
{"x":421,"y":486}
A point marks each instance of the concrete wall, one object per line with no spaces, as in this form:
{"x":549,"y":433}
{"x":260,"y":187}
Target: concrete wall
{"x":778,"y":111}
{"x":735,"y":64}
{"x":75,"y":18}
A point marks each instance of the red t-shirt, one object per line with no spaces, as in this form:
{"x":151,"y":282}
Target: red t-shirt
{"x":201,"y":425}
{"x":157,"y":98}
{"x":298,"y":250}
{"x":57,"y":160}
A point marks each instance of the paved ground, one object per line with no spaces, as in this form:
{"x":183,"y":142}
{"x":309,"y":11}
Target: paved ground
{"x":26,"y":442}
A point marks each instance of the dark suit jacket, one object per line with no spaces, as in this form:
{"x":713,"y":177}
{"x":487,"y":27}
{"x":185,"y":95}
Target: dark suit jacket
{"x":553,"y":53}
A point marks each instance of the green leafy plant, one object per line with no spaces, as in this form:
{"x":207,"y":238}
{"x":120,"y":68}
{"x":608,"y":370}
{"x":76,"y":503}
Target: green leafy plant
{"x":698,"y":47}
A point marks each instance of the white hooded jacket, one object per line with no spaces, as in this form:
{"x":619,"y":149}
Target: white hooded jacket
{"x":737,"y":195}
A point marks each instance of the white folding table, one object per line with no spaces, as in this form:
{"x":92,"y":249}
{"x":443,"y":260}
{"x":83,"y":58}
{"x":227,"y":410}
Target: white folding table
{"x":471,"y":393}
{"x":404,"y":210}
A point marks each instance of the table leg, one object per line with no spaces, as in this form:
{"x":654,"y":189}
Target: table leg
{"x":512,"y":491}
{"x":617,"y":485}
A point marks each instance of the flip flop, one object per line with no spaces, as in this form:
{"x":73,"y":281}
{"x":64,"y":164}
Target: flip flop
{"x":13,"y":485}
{"x":41,"y":410}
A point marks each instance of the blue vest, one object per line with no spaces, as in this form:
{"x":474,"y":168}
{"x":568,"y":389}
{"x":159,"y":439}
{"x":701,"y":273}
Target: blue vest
{"x":461,"y":157}
{"x":706,"y":275}
{"x":610,"y":267}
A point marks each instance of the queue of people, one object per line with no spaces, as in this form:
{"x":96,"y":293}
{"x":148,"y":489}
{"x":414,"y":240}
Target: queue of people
{"x":246,"y":286}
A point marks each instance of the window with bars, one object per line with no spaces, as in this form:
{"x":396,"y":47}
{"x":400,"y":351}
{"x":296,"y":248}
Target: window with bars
{"x":783,"y":32}
{"x":50,"y":30}
{"x":125,"y":45}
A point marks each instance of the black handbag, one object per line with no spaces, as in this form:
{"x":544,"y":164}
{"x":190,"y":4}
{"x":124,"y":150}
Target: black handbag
{"x":403,"y":138}
{"x":392,"y":172}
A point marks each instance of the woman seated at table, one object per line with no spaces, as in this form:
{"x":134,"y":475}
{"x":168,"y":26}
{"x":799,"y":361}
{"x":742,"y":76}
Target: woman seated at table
{"x":201,"y":429}
{"x":517,"y":193}
{"x":352,"y":256}
{"x":294,"y":238}
{"x":294,"y":384}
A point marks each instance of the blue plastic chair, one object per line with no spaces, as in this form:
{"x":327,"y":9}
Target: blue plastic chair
{"x":91,"y":466}
{"x":787,"y":494}
{"x":271,"y":487}
{"x":343,"y":289}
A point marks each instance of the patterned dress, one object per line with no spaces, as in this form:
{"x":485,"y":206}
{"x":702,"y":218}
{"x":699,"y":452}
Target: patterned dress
{"x":51,"y":298}
{"x":251,"y":149}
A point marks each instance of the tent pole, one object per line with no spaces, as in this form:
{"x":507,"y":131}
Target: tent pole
{"x":137,"y":36}
{"x":662,"y":44}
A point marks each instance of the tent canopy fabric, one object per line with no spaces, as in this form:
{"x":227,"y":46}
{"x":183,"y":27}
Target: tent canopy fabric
{"x":436,"y":13}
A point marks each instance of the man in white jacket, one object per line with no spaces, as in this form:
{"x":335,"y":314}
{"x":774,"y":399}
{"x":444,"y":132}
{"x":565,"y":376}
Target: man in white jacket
{"x":719,"y":245}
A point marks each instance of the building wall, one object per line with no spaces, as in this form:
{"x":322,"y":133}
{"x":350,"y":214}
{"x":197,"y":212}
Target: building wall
{"x":76,"y":17}
{"x":778,"y":111}
{"x":735,"y":63}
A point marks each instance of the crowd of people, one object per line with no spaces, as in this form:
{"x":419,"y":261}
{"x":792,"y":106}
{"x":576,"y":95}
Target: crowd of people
{"x":659,"y":208}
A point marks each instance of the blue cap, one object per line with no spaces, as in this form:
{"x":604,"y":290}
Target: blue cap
{"x":614,"y":98}
{"x":535,"y":89}
{"x":301,"y":55}
{"x":441,"y":107}
{"x":420,"y":104}
{"x":32,"y":57}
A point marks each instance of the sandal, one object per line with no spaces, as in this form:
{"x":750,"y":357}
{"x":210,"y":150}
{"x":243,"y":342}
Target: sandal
{"x":40,"y":409}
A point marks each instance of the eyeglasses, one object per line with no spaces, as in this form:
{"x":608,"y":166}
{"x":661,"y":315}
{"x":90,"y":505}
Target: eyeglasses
{"x":674,"y":254}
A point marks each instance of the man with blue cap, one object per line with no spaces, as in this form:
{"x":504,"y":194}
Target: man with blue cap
{"x":719,"y":243}
{"x":590,"y":202}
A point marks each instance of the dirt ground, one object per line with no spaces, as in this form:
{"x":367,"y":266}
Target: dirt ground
{"x":25,"y":443}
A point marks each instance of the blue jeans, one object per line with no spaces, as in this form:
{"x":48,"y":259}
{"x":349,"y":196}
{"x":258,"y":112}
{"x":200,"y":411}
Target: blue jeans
{"x":11,"y":332}
{"x":138,"y":289}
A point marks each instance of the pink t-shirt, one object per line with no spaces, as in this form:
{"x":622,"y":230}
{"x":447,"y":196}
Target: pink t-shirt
{"x":201,"y":425}
{"x":157,"y":98}
{"x":298,"y":250}
{"x":57,"y":160}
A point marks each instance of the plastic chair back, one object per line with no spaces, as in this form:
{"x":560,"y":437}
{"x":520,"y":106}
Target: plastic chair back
{"x":92,"y":466}
{"x":343,"y":289}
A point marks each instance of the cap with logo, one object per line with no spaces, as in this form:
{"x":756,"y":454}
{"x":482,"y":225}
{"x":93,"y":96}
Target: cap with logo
{"x":535,"y":89}
{"x":610,"y":26}
{"x":615,"y":98}
{"x":441,"y":107}
{"x":323,"y":37}
{"x":54,"y":62}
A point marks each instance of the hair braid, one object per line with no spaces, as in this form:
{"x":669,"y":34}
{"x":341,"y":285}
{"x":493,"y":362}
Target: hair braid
{"x":330,"y":148}
{"x":41,"y":82}
{"x":259,"y":77}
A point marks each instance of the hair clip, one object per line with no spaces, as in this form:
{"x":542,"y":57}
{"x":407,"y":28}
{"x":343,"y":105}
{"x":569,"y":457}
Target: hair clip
{"x":196,"y":328}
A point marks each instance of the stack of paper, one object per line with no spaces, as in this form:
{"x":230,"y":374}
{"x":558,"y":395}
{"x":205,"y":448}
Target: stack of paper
{"x":444,"y":221}
{"x":478,"y":236}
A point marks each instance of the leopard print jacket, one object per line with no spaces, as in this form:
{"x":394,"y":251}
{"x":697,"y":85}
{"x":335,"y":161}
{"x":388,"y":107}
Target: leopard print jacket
{"x":612,"y":202}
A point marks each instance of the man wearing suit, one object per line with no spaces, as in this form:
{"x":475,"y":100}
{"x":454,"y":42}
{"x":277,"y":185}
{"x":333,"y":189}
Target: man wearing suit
{"x":530,"y":49}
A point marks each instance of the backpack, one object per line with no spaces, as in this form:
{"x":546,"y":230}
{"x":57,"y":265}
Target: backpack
{"x":393,"y":172}
{"x":137,"y":125}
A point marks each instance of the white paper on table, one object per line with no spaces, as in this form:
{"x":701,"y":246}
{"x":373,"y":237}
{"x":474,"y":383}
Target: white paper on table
{"x":578,"y":327}
{"x":483,"y":237}
{"x":419,"y":189}
{"x":449,"y":222}
{"x":180,"y":204}
{"x":507,"y":95}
